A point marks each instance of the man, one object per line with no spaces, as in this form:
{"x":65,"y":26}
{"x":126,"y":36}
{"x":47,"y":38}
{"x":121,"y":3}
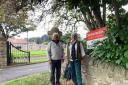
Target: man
{"x":75,"y":53}
{"x":55,"y":55}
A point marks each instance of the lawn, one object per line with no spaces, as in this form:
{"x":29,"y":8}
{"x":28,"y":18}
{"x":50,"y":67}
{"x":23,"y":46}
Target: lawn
{"x":38,"y":53}
{"x":36,"y":56}
{"x":39,"y":61}
{"x":33,"y":53}
{"x":35,"y":79}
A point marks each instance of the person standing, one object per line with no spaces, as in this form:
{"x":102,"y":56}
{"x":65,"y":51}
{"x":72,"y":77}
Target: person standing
{"x":55,"y":55}
{"x":75,"y":53}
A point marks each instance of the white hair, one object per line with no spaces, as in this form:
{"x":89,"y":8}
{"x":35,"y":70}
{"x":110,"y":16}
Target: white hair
{"x":74,"y":34}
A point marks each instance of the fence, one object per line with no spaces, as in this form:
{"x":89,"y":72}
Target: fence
{"x":15,"y":55}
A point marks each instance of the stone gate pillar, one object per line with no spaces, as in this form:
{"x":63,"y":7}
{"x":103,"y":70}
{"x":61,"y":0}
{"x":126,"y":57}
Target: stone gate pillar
{"x":3,"y":53}
{"x":54,"y":30}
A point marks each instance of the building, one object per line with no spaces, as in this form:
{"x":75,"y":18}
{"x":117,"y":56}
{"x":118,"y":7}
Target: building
{"x":24,"y":45}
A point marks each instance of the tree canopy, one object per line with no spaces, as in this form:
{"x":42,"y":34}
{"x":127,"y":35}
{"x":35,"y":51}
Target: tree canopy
{"x":12,"y":19}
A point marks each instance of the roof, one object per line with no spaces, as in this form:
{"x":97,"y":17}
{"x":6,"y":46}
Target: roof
{"x":17,"y":41}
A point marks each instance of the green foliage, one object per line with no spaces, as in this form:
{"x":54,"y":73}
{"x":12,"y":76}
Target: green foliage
{"x":13,"y":22}
{"x":39,"y":40}
{"x":65,"y":38}
{"x":114,"y":49}
{"x":84,"y":43}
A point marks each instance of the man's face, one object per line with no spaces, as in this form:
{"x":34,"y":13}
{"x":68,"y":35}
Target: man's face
{"x":56,"y":37}
{"x":73,"y":37}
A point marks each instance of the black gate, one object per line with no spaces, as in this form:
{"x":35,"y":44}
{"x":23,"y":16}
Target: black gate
{"x":16,"y":56}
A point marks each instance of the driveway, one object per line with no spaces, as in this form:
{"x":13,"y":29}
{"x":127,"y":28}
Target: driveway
{"x":19,"y":71}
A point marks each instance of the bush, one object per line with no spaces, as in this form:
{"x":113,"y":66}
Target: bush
{"x":114,"y":49}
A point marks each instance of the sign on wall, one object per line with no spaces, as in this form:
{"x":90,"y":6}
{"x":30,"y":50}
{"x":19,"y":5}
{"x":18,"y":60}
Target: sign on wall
{"x":94,"y":36}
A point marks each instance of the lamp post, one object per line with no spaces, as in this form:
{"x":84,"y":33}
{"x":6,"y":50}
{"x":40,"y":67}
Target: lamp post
{"x":28,"y":48}
{"x":27,"y":40}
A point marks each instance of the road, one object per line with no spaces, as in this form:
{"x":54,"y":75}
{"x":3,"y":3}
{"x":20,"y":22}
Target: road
{"x":19,"y":71}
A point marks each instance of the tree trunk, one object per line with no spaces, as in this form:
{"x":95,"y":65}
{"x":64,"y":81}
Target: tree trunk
{"x":2,"y":31}
{"x":97,"y":14}
{"x":116,"y":9}
{"x":94,"y":25}
{"x":104,"y":12}
{"x":86,"y":20}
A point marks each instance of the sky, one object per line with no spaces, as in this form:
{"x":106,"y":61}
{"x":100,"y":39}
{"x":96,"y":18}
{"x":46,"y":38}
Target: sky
{"x":44,"y":28}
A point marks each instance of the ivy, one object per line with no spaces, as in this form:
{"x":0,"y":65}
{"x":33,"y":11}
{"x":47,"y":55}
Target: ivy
{"x":114,"y":48}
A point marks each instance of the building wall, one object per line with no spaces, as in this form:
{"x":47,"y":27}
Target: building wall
{"x":32,"y":46}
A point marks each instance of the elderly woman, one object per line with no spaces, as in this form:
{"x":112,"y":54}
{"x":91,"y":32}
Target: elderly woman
{"x":55,"y":55}
{"x":75,"y":53}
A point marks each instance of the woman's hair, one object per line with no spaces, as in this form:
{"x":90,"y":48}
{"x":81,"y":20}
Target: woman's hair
{"x":55,"y":35}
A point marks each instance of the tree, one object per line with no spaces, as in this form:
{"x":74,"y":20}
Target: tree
{"x":93,"y":11}
{"x":12,"y":20}
{"x":39,"y":40}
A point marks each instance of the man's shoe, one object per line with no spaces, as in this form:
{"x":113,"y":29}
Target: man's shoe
{"x":52,"y":84}
{"x":58,"y":83}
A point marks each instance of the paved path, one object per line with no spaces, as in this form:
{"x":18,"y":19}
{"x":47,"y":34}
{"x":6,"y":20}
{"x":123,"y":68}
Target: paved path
{"x":19,"y":71}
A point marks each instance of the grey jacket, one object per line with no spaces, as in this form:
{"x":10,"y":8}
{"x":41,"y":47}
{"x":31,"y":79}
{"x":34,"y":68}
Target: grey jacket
{"x":55,"y":51}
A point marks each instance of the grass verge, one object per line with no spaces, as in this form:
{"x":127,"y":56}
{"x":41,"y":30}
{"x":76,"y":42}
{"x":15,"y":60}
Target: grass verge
{"x":39,"y":61}
{"x":35,"y":79}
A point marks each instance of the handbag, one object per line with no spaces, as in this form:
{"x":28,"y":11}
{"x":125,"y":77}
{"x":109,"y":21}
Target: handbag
{"x":67,"y":72}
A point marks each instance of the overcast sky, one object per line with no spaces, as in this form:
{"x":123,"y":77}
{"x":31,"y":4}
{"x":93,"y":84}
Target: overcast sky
{"x":43,"y":28}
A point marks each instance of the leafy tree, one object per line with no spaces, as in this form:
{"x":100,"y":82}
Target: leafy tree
{"x":93,"y":11}
{"x":39,"y":40}
{"x":66,"y":37}
{"x":44,"y":38}
{"x":12,"y":20}
{"x":114,"y":49}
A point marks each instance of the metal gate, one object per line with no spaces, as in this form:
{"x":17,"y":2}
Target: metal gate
{"x":16,"y":56}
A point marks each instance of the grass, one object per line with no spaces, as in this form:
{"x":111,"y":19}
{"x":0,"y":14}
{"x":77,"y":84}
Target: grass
{"x":33,"y":53}
{"x":39,"y":61}
{"x":35,"y":79}
{"x":38,"y":53}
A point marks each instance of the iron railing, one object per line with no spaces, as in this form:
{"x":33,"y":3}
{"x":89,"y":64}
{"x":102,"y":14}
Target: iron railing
{"x":15,"y":55}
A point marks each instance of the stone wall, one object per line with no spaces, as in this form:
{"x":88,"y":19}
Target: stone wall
{"x":97,"y":73}
{"x":3,"y":58}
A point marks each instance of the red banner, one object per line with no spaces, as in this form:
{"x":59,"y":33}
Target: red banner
{"x":95,"y":34}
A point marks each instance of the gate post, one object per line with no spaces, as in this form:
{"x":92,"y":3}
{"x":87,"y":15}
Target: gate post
{"x":9,"y":58}
{"x":3,"y":53}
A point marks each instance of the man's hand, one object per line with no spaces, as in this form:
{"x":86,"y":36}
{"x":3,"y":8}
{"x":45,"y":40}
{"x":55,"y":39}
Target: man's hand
{"x":66,"y":61}
{"x":50,"y":61}
{"x":62,"y":60}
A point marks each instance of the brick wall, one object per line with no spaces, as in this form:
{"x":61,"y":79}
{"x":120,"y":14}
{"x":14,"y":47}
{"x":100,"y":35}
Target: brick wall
{"x":3,"y":58}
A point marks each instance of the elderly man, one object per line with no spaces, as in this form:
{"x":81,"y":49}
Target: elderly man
{"x":55,"y":55}
{"x":75,"y":53}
